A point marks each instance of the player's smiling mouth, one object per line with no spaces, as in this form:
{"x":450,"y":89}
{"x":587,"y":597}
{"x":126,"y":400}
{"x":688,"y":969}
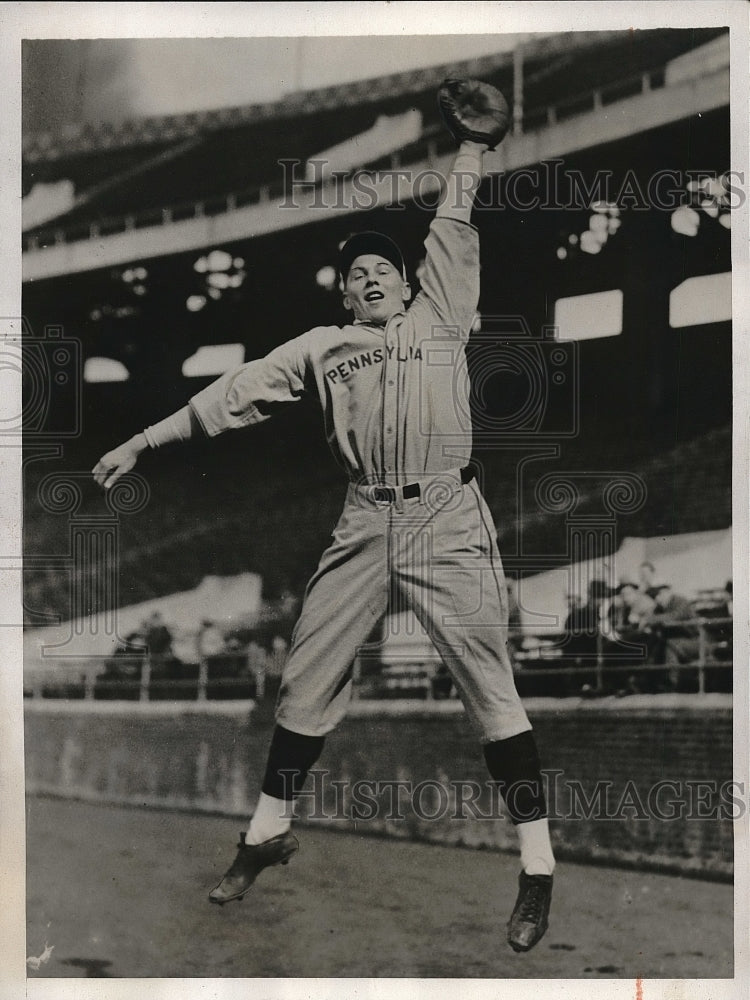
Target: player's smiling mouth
{"x":374,"y":296}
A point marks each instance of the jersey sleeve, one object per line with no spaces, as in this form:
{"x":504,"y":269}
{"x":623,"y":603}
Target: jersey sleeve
{"x":249,"y":394}
{"x":450,"y":281}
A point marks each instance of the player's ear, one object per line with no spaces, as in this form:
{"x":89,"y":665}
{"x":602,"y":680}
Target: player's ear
{"x":342,"y":288}
{"x":406,"y":291}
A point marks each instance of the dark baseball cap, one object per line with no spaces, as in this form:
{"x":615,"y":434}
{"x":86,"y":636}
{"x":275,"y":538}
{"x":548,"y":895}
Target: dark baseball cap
{"x":370,"y":242}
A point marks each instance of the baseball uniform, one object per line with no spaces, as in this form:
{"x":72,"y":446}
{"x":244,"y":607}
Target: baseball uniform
{"x":413,"y":519}
{"x":414,"y":523}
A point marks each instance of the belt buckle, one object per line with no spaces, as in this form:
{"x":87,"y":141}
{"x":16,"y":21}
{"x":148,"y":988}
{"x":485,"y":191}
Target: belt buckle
{"x":383,"y":494}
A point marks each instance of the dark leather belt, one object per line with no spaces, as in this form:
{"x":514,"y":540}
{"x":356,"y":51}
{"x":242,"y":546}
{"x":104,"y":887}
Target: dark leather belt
{"x":387,"y":494}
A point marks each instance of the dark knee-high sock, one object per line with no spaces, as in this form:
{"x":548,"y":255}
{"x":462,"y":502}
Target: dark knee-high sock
{"x":290,"y":757}
{"x":514,"y":764}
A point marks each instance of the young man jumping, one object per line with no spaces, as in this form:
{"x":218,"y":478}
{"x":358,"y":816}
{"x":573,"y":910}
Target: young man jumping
{"x":414,"y":518}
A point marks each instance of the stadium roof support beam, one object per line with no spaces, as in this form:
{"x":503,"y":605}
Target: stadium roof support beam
{"x":604,"y":124}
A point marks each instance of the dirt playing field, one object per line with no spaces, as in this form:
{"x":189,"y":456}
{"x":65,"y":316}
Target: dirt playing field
{"x":122,"y":892}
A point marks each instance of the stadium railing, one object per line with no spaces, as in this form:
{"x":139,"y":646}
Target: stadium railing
{"x":699,"y":663}
{"x":140,"y":677}
{"x":542,"y":668}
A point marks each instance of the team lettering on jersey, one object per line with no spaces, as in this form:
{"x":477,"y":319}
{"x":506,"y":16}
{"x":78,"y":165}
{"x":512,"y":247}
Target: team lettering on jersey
{"x":347,"y":368}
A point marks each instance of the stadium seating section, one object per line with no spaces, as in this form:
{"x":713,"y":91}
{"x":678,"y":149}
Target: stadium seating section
{"x":267,"y":502}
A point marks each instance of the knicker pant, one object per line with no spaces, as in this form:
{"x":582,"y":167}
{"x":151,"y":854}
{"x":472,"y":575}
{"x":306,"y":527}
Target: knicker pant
{"x":436,"y":555}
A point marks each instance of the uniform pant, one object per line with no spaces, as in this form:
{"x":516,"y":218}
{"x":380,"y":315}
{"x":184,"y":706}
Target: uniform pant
{"x":437,"y":553}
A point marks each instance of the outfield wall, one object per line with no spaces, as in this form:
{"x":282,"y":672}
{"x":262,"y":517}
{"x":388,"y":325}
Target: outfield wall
{"x":641,"y":781}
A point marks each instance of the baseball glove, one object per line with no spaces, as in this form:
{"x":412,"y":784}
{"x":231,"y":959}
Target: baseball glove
{"x":474,"y":110}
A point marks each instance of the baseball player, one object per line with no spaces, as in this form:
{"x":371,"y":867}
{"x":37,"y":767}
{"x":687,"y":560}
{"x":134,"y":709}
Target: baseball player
{"x":414,"y":518}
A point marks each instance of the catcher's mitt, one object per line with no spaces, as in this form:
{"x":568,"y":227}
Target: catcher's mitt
{"x":474,"y":110}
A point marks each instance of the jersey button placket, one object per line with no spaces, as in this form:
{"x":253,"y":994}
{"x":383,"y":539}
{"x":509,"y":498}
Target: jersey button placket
{"x":389,"y":401}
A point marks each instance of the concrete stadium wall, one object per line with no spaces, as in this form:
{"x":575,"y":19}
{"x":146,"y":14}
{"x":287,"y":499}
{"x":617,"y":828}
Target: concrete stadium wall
{"x":604,"y":762}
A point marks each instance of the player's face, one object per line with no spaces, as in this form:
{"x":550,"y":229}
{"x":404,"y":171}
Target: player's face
{"x":374,"y":289}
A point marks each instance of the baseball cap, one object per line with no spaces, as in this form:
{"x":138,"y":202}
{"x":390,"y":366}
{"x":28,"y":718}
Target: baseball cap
{"x":370,"y":242}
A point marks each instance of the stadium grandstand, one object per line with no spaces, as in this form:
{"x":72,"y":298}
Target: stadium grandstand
{"x":157,"y":252}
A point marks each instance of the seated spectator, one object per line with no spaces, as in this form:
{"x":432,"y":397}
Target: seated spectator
{"x":127,"y":657}
{"x":235,"y":655}
{"x":134,"y":642}
{"x":592,"y":619}
{"x":585,"y":628}
{"x":720,"y":636}
{"x":576,"y":606}
{"x":647,"y":580}
{"x":209,"y":640}
{"x":158,"y":636}
{"x":289,"y":603}
{"x":630,"y":609}
{"x":627,"y":646}
{"x":441,"y":683}
{"x":581,"y":629}
{"x":672,"y":636}
{"x":166,"y":666}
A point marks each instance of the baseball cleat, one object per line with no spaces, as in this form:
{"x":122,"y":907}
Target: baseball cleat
{"x":528,"y":922}
{"x":250,"y":861}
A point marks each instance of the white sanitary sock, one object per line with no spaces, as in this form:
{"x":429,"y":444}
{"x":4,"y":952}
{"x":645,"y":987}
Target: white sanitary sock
{"x":536,"y":850}
{"x":271,"y":818}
